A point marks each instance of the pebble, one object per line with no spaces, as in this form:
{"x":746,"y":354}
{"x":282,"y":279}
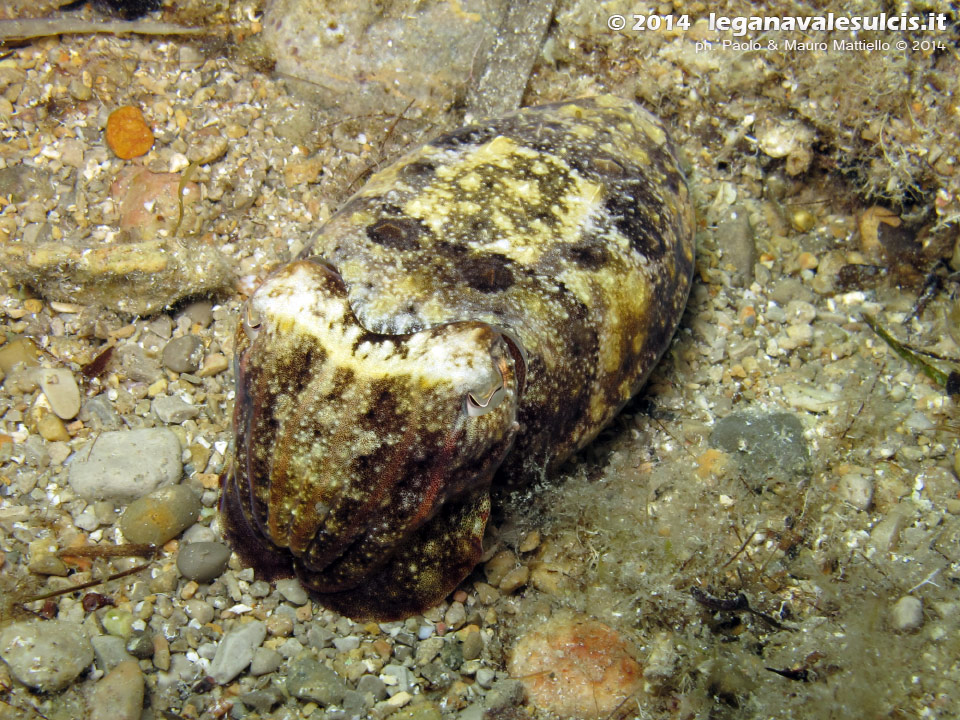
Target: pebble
{"x":515,"y":579}
{"x":119,"y":694}
{"x":485,"y":677}
{"x":183,"y":354}
{"x":236,"y":649}
{"x":736,"y":241}
{"x":198,"y":610}
{"x":907,"y":614}
{"x":51,"y":428}
{"x":45,"y":655}
{"x":199,"y":312}
{"x":125,"y":465}
{"x":292,"y":591}
{"x":203,"y":561}
{"x":118,"y":621}
{"x":20,"y":352}
{"x":372,"y":685}
{"x":309,"y":679}
{"x":43,"y":558}
{"x":575,"y":667}
{"x":856,"y":488}
{"x":472,"y":645}
{"x":160,"y":516}
{"x":264,"y":661}
{"x":213,"y":365}
{"x":60,"y":387}
{"x":99,"y":414}
{"x":109,"y":651}
{"x":141,"y":645}
{"x":765,"y":445}
{"x":499,"y":565}
{"x":173,"y":410}
{"x":128,"y":134}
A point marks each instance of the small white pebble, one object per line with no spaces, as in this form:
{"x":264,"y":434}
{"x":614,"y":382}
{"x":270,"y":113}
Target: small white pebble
{"x":857,"y":489}
{"x":907,"y":613}
{"x":425,"y":631}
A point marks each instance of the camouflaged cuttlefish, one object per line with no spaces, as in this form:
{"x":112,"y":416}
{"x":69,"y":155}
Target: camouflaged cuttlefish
{"x":477,"y":312}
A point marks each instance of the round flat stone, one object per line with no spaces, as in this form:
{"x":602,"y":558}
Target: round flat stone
{"x":203,"y":561}
{"x":160,"y":516}
{"x":45,"y":655}
{"x":183,"y":354}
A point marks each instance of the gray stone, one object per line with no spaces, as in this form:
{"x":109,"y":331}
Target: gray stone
{"x":119,"y":694}
{"x":203,"y":561}
{"x":485,"y":677}
{"x":183,"y":354}
{"x":265,"y":661}
{"x":109,"y":651}
{"x":292,"y":591}
{"x":372,"y":685}
{"x":764,"y":446}
{"x":422,"y":50}
{"x":402,"y":674}
{"x":199,"y":312}
{"x":199,"y":610}
{"x":125,"y":465}
{"x":262,"y":700}
{"x":735,"y":239}
{"x":504,"y":693}
{"x":319,"y":637}
{"x":98,"y":412}
{"x":472,"y":646}
{"x":346,"y":644}
{"x":173,"y":410}
{"x":45,"y":655}
{"x":160,"y":516}
{"x":141,"y":645}
{"x":236,"y":650}
{"x":309,"y":679}
{"x":136,"y":365}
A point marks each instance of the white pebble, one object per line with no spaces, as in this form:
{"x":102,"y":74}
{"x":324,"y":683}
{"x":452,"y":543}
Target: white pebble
{"x":907,"y":613}
{"x":857,"y":489}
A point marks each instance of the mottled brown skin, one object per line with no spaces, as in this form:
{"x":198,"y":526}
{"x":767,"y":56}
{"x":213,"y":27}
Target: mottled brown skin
{"x":475,"y":314}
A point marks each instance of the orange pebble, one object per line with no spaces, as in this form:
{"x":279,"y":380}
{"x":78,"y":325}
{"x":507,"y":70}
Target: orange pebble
{"x":128,"y":134}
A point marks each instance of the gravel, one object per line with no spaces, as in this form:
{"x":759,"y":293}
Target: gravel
{"x":655,"y":506}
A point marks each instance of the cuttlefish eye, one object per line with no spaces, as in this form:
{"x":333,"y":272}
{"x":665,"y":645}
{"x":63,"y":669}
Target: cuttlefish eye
{"x":251,"y":320}
{"x":481,"y":401}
